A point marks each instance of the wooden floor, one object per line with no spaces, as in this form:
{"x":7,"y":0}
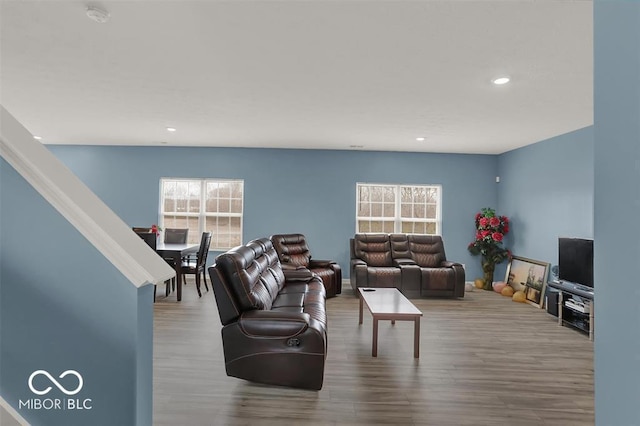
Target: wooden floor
{"x":484,"y":360}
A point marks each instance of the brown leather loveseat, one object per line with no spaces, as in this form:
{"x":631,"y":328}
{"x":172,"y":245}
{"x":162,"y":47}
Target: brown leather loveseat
{"x":413,"y":263}
{"x":274,"y":321}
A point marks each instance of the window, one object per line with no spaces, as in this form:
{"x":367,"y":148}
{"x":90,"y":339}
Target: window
{"x":409,"y":209}
{"x":204,"y":205}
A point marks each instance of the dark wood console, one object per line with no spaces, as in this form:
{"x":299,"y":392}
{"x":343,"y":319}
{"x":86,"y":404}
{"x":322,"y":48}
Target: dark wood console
{"x":575,"y":306}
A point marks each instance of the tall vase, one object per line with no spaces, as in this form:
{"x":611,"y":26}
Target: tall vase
{"x":487,"y":273}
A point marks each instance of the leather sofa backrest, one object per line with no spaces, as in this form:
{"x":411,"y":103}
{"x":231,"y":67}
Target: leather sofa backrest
{"x":292,"y":249}
{"x":252,"y":275}
{"x":426,"y":250}
{"x":399,"y":246}
{"x":374,"y":249}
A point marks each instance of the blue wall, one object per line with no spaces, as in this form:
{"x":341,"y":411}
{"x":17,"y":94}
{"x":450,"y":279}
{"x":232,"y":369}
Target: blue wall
{"x":73,"y":310}
{"x":617,"y":211}
{"x":307,"y":191}
{"x":547,"y":191}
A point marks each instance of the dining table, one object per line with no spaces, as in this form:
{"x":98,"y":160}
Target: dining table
{"x":176,"y":252}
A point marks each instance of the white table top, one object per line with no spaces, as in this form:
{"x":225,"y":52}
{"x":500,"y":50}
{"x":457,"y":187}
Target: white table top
{"x":387,"y":301}
{"x":177,"y":247}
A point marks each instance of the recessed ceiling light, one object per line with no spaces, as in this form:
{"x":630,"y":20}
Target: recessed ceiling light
{"x":98,"y":15}
{"x":37,"y":137}
{"x":171,"y":129}
{"x":501,"y":80}
{"x":420,"y":139}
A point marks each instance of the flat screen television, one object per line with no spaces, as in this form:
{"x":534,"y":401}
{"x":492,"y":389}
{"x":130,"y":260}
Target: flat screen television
{"x":575,"y":260}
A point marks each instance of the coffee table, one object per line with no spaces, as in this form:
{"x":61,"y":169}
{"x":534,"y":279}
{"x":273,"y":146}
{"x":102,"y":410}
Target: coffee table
{"x":389,"y":304}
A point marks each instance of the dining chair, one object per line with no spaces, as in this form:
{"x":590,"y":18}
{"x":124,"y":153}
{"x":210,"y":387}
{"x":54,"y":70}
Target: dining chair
{"x":176,"y":235}
{"x":198,"y":265}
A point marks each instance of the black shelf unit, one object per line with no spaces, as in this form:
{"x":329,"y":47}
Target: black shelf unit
{"x":574,"y":317}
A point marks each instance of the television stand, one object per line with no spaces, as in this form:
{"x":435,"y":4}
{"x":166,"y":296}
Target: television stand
{"x":575,"y":306}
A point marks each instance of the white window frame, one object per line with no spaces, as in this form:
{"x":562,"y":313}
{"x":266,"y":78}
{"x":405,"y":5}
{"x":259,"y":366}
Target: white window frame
{"x":397,"y":219}
{"x":202,"y":215}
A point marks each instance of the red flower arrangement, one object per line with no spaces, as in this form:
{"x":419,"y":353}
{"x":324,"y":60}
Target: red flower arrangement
{"x":155,"y":229}
{"x":490,"y":231}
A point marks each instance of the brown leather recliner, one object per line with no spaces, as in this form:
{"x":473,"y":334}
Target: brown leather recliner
{"x":274,"y":321}
{"x":293,"y":252}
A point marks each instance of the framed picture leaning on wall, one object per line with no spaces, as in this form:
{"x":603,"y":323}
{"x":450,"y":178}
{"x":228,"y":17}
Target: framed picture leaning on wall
{"x":529,"y":276}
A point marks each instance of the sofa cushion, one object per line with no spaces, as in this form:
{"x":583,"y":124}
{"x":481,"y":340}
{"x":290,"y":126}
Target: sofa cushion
{"x":303,"y":287}
{"x":374,"y":249}
{"x":310,"y":301}
{"x":297,"y":299}
{"x":399,"y":246}
{"x":384,"y":277}
{"x":426,"y":250}
{"x":437,"y":278}
{"x":292,"y":249}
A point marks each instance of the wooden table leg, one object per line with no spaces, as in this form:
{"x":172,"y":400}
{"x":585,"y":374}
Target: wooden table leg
{"x":416,"y":338}
{"x":393,"y":322}
{"x":178,"y":265}
{"x":374,"y":345}
{"x":360,"y":319}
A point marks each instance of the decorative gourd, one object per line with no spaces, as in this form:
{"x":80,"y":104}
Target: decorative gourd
{"x":479,"y":282}
{"x":498,"y":286}
{"x":507,"y":291}
{"x":518,"y":296}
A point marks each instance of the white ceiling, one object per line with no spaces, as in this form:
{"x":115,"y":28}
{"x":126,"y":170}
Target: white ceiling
{"x":299,"y":74}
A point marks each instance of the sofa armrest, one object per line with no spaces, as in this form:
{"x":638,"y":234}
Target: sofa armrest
{"x":360,"y":274}
{"x":297,"y":273}
{"x":259,"y":323}
{"x":358,"y":262}
{"x":315,"y":263}
{"x":291,"y":267}
{"x":458,"y":269}
{"x":403,"y":262}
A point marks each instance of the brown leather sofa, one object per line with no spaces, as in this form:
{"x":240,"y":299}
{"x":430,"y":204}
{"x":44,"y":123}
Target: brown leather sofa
{"x":414,"y":264}
{"x":293,"y":252}
{"x":274,"y":320}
